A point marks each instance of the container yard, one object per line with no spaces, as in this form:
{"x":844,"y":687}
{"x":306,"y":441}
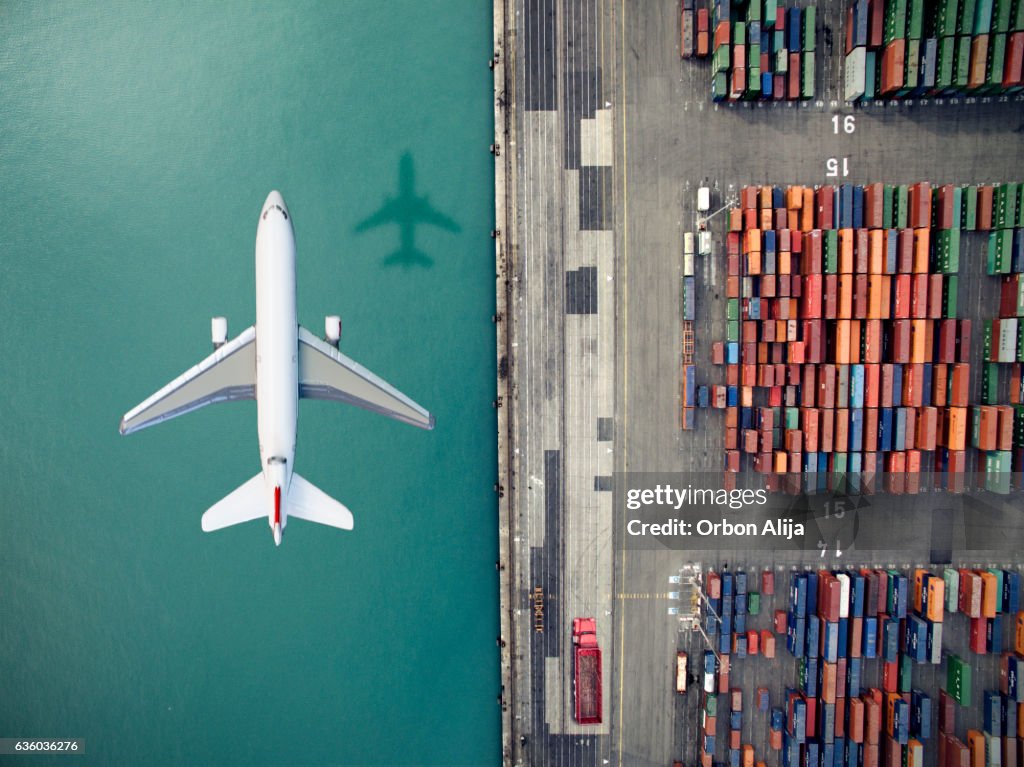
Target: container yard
{"x":910,"y":49}
{"x":844,"y":354}
{"x":776,"y":288}
{"x":858,"y":666}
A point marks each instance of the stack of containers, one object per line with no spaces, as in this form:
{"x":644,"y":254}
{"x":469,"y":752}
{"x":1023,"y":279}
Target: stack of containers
{"x":695,"y":37}
{"x":1003,"y":340}
{"x":762,"y":51}
{"x":836,"y":620}
{"x":908,"y":48}
{"x":987,"y":598}
{"x":730,"y":600}
{"x":842,"y":305}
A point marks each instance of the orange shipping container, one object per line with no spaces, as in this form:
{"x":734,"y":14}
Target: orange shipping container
{"x":845,"y":310}
{"x":876,"y":251}
{"x":921,"y":242}
{"x":843,"y":342}
{"x":807,"y":209}
{"x":936,"y":600}
{"x":989,"y":598}
{"x":919,"y":350}
{"x":956,"y":423}
{"x":845,"y":251}
{"x":874,"y":296}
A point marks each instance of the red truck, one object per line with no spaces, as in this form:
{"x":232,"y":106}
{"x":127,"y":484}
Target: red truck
{"x":587,"y":670}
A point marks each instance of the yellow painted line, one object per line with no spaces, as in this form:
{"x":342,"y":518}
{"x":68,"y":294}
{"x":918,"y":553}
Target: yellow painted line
{"x":625,"y":345}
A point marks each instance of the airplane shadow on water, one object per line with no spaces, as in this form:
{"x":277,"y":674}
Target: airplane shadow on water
{"x":407,"y":210}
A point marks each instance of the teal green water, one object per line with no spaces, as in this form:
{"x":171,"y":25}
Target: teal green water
{"x":137,"y":144}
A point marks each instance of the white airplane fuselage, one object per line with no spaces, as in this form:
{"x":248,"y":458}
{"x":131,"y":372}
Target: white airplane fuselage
{"x":277,"y":370}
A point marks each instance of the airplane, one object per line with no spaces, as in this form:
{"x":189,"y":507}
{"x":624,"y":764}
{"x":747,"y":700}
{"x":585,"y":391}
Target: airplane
{"x":407,"y":210}
{"x":276,"y":362}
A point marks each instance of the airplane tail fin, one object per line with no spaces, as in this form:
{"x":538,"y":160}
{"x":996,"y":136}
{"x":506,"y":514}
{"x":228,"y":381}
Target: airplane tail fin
{"x":244,"y":504}
{"x":307,"y":501}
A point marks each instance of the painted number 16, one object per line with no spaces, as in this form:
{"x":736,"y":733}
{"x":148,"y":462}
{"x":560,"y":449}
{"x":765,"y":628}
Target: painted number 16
{"x":847,"y":124}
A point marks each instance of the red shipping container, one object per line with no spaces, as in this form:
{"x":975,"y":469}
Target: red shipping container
{"x":767,"y":644}
{"x":893,"y":66}
{"x":793,"y":89}
{"x":919,"y":296}
{"x":874,"y":198}
{"x":902,"y":297}
{"x":1013,"y":63}
{"x":920,"y":202}
{"x":872,"y":719}
{"x":947,"y":712}
{"x":943,"y":211}
{"x":780,"y":621}
{"x":824,"y":203}
{"x":978,"y":641}
{"x":984,"y":217}
{"x":959,"y":382}
{"x":870,"y":432}
{"x":905,"y":251}
{"x":964,"y":341}
{"x":831,"y":297}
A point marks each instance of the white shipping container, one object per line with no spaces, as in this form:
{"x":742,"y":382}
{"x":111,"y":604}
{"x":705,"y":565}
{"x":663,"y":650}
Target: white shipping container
{"x":688,"y":243}
{"x":854,"y":74}
{"x":688,"y":265}
{"x":844,"y":595}
{"x":704,"y":199}
{"x":704,"y":243}
{"x":1008,"y":340}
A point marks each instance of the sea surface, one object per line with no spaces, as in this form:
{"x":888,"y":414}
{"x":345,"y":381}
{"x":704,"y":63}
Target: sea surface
{"x":138,"y":142}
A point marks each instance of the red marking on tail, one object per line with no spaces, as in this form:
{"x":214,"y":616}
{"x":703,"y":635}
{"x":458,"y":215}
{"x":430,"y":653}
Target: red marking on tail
{"x":277,"y":505}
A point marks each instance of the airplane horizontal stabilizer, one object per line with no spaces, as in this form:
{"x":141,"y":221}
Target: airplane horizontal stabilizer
{"x":246,"y":503}
{"x":307,"y":501}
{"x":326,"y":373}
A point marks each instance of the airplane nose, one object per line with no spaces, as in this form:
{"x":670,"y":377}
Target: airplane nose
{"x":277,"y":535}
{"x":275,"y":200}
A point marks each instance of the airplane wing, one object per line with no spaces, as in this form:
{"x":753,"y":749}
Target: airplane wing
{"x":326,"y":373}
{"x":226,"y":375}
{"x":388,"y":212}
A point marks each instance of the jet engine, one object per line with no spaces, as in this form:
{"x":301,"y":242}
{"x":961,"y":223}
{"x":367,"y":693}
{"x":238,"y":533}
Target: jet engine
{"x":332,"y":330}
{"x":219,"y":331}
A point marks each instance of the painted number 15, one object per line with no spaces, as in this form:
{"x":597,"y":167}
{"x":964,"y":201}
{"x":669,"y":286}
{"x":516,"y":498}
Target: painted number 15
{"x":837,"y":166}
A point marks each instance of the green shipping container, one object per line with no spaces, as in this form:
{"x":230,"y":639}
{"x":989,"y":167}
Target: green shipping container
{"x":807,"y":76}
{"x":830,"y":244}
{"x":986,"y":341}
{"x":947,"y":249}
{"x":754,"y":603}
{"x":970,"y":208}
{"x":982,"y":17}
{"x":1018,"y":425}
{"x":958,"y":205}
{"x":997,"y":473}
{"x":958,"y":680}
{"x":946,"y":61}
{"x":1017,"y":16}
{"x":869,"y":74}
{"x":912,"y":62}
{"x":792,"y":418}
{"x":950,"y":287}
{"x":990,"y":383}
{"x":711,"y":705}
{"x":915,"y":20}
{"x":1001,"y":12}
{"x":1020,"y":335}
{"x":770,"y":7}
{"x":732,"y":309}
{"x":720,"y":86}
{"x":754,"y":11}
{"x":895,"y":20}
{"x":809,"y":26}
{"x":1000,"y":247}
{"x":1005,"y":206}
{"x":965,"y":19}
{"x":739,"y":33}
{"x":900,"y":206}
{"x":720,"y":60}
{"x":906,"y":671}
{"x":888,"y":220}
{"x":946,"y":18}
{"x":732,"y":331}
{"x":962,"y":69}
